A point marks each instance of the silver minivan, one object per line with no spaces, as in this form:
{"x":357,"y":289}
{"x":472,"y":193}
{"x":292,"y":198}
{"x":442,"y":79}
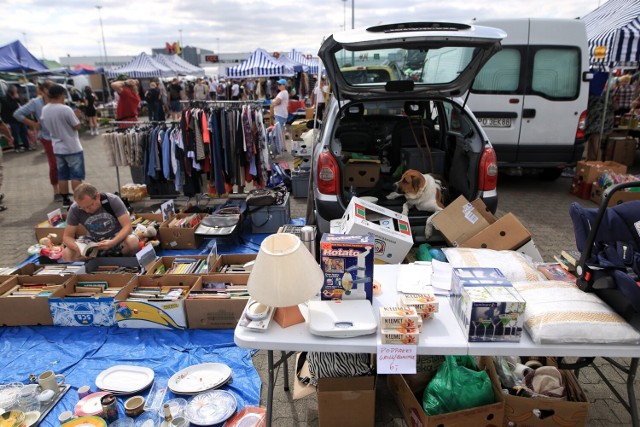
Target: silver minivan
{"x":373,"y":130}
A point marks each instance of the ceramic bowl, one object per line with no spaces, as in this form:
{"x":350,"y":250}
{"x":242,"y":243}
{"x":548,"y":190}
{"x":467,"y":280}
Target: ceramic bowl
{"x":134,"y":406}
{"x":12,"y":419}
{"x":31,"y":417}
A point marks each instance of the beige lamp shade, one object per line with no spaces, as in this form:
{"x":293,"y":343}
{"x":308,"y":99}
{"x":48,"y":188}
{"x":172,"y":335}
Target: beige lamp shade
{"x":284,"y":273}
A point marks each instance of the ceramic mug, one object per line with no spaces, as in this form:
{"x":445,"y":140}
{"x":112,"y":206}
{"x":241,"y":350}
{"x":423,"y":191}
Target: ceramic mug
{"x":50,"y":381}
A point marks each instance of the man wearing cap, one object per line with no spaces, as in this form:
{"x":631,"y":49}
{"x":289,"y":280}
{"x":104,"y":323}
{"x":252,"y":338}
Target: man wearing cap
{"x":281,"y":104}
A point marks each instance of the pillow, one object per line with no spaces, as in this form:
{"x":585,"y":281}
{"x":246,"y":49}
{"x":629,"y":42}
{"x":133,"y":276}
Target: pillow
{"x":560,"y":313}
{"x":514,"y":265}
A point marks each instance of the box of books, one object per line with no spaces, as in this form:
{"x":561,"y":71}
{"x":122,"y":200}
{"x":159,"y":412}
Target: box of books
{"x":87,"y":300}
{"x":217,"y":301}
{"x":24,"y":300}
{"x":188,"y":264}
{"x":178,"y":232}
{"x":154,"y":302}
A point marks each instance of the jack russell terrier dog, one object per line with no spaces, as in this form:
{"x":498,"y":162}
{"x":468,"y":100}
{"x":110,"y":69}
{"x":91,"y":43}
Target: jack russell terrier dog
{"x":423,"y":191}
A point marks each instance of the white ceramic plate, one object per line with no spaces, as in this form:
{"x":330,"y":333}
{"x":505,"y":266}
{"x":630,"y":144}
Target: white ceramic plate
{"x":197,"y":378}
{"x":210,"y":408}
{"x":125,"y":378}
{"x":90,"y":405}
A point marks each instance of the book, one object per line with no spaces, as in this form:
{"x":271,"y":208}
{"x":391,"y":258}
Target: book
{"x":55,"y":217}
{"x":88,"y":248}
{"x":564,"y":263}
{"x":571,"y":255}
{"x":553,"y":271}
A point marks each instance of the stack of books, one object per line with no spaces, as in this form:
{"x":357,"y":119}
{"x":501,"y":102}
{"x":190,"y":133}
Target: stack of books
{"x":190,"y":221}
{"x":220,"y":290}
{"x":145,"y":222}
{"x":188,"y":266}
{"x":568,"y":259}
{"x":160,"y":293}
{"x":58,"y":269}
{"x":32,"y":290}
{"x":553,"y":271}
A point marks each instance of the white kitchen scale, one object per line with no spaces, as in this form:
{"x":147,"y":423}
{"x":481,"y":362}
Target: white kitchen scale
{"x":341,"y":318}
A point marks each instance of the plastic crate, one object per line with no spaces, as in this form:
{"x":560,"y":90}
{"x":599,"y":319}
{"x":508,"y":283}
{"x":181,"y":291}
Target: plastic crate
{"x":267,"y":219}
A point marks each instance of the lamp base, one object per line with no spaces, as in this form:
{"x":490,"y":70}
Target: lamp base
{"x":288,"y":316}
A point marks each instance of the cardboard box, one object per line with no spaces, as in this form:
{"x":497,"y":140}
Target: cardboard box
{"x":361,"y":174}
{"x":122,"y":265}
{"x":267,"y":219}
{"x":618,"y":197}
{"x":590,"y":170}
{"x":27,"y":311}
{"x":43,"y":229}
{"x":179,"y":238}
{"x":579,"y":188}
{"x":487,"y":306}
{"x":89,"y":311}
{"x":216,"y":313}
{"x":472,"y":225}
{"x":621,"y":150}
{"x":347,"y":264}
{"x":414,"y":415}
{"x":555,"y":412}
{"x":298,"y":127}
{"x":347,"y":401}
{"x":391,"y":230}
{"x":166,"y":314}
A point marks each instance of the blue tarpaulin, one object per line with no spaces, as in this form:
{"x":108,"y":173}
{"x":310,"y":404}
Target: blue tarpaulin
{"x":80,"y":354}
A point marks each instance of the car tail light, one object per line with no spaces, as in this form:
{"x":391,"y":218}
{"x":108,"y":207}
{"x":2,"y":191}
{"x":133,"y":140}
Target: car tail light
{"x":488,"y":174}
{"x":328,"y":173}
{"x":582,"y":125}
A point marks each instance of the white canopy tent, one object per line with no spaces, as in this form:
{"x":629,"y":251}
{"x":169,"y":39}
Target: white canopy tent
{"x":312,"y":63}
{"x":179,"y":65}
{"x":142,"y":66}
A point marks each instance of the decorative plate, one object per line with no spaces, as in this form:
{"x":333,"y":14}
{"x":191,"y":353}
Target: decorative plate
{"x":250,"y":416}
{"x":86,"y":421}
{"x":210,"y":408}
{"x":125,"y":378}
{"x":90,"y":405}
{"x":198,"y":378}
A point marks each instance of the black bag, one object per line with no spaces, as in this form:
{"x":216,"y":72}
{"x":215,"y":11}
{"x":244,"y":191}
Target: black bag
{"x":261,"y":197}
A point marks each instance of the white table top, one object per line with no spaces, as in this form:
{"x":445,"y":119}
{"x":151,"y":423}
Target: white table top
{"x":440,"y":335}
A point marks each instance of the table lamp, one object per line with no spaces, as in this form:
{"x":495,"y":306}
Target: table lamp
{"x":284,"y":275}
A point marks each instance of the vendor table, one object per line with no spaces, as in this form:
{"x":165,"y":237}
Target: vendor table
{"x":440,"y":336}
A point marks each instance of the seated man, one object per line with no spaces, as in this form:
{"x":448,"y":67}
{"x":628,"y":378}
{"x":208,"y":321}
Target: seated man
{"x":106,"y":218}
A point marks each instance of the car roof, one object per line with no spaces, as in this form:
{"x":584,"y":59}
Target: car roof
{"x":448,"y":55}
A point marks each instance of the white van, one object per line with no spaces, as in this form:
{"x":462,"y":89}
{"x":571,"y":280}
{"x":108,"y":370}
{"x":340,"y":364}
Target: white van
{"x":531,"y":98}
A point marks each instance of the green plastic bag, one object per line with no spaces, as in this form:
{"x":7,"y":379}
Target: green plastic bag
{"x":457,"y":385}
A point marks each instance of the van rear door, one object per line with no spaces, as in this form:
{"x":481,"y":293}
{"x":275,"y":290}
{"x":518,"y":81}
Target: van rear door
{"x":529,"y":97}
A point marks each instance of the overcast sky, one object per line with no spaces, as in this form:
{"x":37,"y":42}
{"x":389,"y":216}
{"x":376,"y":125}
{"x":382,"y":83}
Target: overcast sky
{"x":57,"y":28}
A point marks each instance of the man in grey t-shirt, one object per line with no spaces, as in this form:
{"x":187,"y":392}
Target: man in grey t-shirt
{"x":63,"y":126}
{"x":107,"y":221}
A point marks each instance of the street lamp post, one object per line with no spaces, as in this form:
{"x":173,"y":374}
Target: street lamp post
{"x":181,"y":46}
{"x":104,"y":45}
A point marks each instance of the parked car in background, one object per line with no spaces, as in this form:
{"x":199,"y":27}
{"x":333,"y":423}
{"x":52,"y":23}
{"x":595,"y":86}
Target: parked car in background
{"x":531,"y":98}
{"x":385,"y":127}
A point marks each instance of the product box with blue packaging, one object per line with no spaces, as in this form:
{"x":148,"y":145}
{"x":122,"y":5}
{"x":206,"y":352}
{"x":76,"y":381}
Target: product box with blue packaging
{"x":487,"y":306}
{"x":347,"y":263}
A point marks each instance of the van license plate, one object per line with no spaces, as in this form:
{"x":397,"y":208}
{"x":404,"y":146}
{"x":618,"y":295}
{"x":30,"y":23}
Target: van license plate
{"x":490,"y":122}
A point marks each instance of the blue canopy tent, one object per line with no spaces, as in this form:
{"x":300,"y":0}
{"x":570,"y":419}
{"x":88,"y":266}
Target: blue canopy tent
{"x":141,"y":67}
{"x":179,"y":65}
{"x":301,"y":58}
{"x":616,"y":26}
{"x":295,"y":66}
{"x":259,"y":64}
{"x":15,"y":58}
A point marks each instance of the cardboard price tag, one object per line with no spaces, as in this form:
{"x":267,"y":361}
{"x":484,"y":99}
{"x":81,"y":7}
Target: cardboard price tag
{"x":396,"y":359}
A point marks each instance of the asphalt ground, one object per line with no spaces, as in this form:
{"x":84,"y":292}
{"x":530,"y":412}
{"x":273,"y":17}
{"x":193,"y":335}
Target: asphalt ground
{"x":542,"y":206}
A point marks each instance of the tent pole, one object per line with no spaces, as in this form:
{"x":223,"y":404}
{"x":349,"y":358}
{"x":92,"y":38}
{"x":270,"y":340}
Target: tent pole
{"x":604,"y":113}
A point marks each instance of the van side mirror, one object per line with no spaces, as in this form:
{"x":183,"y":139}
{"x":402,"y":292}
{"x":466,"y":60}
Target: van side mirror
{"x":587,"y":76}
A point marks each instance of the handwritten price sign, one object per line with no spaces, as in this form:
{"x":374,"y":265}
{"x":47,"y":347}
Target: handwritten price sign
{"x":397,"y":359}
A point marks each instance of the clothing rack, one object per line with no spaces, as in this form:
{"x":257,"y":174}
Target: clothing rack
{"x":124,"y":122}
{"x":212,"y":101}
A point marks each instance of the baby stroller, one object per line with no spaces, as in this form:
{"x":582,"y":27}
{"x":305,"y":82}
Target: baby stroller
{"x":608,"y":239}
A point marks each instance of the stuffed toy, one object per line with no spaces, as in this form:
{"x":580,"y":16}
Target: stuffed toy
{"x":48,"y":248}
{"x":148,"y":235}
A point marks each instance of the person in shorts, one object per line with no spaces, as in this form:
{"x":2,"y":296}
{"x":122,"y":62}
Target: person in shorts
{"x":175,"y":95}
{"x":63,"y":126}
{"x":107,"y":220}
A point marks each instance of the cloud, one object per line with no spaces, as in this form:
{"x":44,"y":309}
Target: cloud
{"x":72,"y":27}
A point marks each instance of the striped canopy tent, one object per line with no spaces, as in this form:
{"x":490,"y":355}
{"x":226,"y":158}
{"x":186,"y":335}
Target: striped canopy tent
{"x":142,"y":66}
{"x":615,"y":26}
{"x":301,"y":58}
{"x":259,"y":64}
{"x":294,"y":66}
{"x":179,"y":65}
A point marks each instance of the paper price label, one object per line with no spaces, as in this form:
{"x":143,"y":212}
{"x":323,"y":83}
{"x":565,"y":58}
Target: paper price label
{"x":396,"y":359}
